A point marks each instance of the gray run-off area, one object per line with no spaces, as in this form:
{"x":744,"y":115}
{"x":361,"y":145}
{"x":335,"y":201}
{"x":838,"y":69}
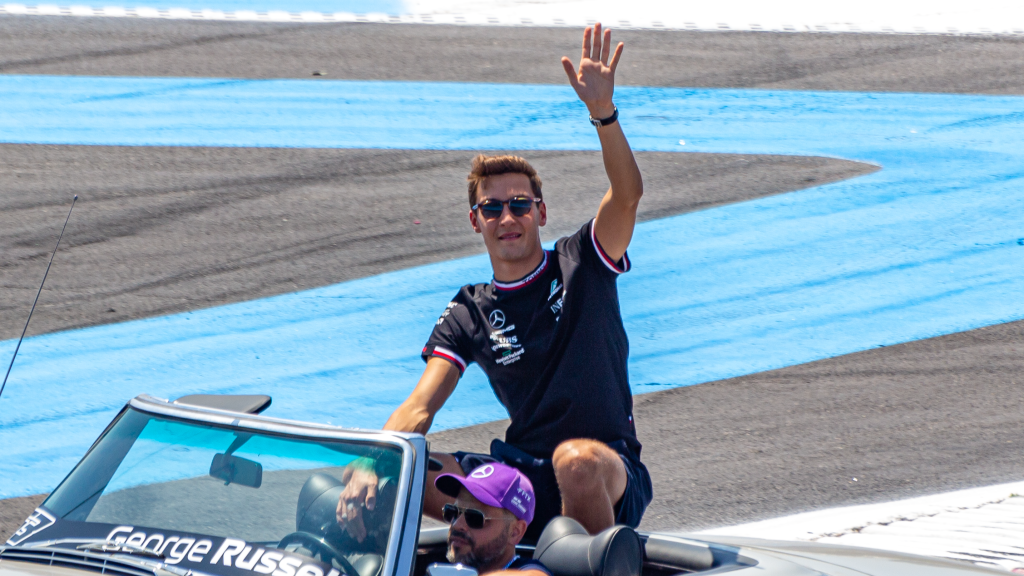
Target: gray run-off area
{"x":436,"y":53}
{"x":169,"y":229}
{"x":160,"y":230}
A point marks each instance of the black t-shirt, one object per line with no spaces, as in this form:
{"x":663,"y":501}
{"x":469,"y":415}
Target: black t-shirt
{"x":552,"y":344}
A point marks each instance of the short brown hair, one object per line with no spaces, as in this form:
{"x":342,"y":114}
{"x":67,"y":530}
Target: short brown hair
{"x":484,"y":166}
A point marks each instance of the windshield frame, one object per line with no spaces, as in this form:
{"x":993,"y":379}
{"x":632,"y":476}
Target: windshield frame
{"x":400,"y":554}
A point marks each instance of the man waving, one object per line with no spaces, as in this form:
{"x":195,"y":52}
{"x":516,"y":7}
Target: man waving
{"x":547,"y":332}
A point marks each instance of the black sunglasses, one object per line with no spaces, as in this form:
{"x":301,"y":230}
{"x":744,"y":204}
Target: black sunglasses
{"x":474,"y":518}
{"x":518,"y":206}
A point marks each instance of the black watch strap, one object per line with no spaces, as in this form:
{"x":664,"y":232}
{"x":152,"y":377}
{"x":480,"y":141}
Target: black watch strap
{"x":605,"y":121}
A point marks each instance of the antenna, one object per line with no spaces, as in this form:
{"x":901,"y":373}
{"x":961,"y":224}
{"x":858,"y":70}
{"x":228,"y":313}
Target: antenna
{"x":40,"y":291}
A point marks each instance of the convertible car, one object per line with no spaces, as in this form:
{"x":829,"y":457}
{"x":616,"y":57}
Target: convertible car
{"x":205,"y":486}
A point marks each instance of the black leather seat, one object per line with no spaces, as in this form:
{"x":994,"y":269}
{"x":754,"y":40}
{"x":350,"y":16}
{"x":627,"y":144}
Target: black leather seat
{"x":315,"y":514}
{"x":567,"y":549}
{"x":318,"y":500}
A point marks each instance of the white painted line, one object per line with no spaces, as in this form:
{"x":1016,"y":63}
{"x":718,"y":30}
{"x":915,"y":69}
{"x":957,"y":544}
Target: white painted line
{"x":980,"y":525}
{"x":989,"y":17}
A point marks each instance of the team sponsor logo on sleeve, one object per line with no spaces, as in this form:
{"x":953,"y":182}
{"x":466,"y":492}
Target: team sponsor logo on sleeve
{"x":447,"y":312}
{"x":38,"y":521}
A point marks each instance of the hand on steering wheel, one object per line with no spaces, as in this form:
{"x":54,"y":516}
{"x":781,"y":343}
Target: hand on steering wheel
{"x":321,"y":547}
{"x":360,"y":492}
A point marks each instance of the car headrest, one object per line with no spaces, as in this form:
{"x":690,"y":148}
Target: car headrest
{"x":567,"y":549}
{"x":318,"y":500}
{"x":315,"y":511}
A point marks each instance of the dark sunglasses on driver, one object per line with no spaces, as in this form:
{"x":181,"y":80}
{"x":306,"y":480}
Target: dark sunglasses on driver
{"x":474,"y":518}
{"x":518,"y":206}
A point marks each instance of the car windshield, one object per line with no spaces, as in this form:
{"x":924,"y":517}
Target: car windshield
{"x":203,"y":479}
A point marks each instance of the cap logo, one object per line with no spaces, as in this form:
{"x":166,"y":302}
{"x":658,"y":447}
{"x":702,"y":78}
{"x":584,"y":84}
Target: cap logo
{"x":483,"y":472}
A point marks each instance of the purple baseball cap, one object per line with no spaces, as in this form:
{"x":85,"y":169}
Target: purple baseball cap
{"x":494,"y":484}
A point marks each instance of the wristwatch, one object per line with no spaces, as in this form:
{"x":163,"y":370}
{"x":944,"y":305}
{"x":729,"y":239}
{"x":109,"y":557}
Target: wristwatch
{"x":605,"y":121}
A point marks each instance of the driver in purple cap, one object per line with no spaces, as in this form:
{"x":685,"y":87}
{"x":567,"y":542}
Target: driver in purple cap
{"x":493,"y":506}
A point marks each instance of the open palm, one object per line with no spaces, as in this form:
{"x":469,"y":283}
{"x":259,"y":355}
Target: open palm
{"x":595,"y":81}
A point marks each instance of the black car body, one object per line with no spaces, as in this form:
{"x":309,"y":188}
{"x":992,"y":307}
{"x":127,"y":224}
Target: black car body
{"x":188,"y":489}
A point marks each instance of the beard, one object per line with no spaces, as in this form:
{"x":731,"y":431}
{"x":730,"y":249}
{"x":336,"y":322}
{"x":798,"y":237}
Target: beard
{"x":479,"y":555}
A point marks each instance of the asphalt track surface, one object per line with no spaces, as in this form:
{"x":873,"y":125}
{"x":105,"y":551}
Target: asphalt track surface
{"x":911,"y":419}
{"x":268,"y":221}
{"x":854,"y":62}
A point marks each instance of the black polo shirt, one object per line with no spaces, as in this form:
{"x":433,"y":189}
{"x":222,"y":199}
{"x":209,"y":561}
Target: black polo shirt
{"x":552,"y":345}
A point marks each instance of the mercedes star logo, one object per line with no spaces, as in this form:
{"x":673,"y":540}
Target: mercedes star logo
{"x":497,"y":319}
{"x":483,"y":471}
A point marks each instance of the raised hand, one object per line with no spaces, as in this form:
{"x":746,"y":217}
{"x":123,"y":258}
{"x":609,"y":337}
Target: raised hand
{"x":595,"y":81}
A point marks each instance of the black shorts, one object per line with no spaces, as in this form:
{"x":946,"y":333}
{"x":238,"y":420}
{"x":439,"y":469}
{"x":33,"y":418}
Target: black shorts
{"x":629,"y":510}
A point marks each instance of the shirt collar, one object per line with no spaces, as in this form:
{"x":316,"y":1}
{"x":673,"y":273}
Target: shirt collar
{"x":528,"y":279}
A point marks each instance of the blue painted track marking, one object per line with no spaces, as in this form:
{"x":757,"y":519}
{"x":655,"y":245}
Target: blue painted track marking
{"x":927,"y":246}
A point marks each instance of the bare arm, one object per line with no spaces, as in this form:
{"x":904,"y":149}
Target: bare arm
{"x":414,"y":415}
{"x":595,"y":85}
{"x":436,"y":384}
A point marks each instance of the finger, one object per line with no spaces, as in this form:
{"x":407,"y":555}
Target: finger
{"x":586,"y":43}
{"x":356,"y":527}
{"x":343,"y":500}
{"x":570,"y":71}
{"x":616,"y":56}
{"x":607,"y":45}
{"x":371,"y":497}
{"x":596,"y":54}
{"x":352,"y":531}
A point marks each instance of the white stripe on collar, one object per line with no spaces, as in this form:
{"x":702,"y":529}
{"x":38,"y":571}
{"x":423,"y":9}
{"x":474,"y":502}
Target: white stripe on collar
{"x":528,"y":279}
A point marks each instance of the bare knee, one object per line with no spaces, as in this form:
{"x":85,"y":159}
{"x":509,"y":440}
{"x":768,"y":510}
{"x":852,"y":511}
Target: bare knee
{"x":584,"y":465}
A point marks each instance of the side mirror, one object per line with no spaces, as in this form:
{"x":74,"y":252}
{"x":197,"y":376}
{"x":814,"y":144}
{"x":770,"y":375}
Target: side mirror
{"x":236,"y":470}
{"x":438,"y":569}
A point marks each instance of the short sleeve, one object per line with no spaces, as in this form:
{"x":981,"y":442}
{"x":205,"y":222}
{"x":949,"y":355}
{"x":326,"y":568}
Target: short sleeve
{"x":449,"y":336}
{"x":527,"y":564}
{"x":584,"y":247}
